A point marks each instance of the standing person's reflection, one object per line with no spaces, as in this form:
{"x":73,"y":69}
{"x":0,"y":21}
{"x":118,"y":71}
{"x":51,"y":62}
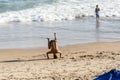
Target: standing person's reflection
{"x":97,"y":31}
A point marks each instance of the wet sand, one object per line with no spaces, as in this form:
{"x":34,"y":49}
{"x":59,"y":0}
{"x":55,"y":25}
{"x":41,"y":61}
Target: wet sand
{"x":83,"y":30}
{"x":79,"y":62}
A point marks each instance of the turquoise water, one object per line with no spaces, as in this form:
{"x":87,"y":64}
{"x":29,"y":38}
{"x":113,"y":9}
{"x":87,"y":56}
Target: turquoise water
{"x":15,"y":5}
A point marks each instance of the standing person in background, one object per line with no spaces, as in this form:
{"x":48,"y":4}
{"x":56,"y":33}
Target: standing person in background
{"x":97,"y":9}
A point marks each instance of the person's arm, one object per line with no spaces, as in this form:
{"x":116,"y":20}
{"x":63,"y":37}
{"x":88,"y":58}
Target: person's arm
{"x":55,"y":36}
{"x":48,"y":43}
{"x":98,"y":9}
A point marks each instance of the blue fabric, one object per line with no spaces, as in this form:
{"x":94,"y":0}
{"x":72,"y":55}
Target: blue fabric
{"x":97,"y":14}
{"x":111,"y":75}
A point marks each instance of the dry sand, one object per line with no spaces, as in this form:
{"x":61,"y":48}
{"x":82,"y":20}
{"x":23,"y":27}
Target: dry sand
{"x":79,"y":62}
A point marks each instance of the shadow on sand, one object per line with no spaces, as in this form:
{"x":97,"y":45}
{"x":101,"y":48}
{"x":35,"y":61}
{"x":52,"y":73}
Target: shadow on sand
{"x":17,"y":60}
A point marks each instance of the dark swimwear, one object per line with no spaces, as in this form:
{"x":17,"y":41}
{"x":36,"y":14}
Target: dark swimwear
{"x":51,"y":42}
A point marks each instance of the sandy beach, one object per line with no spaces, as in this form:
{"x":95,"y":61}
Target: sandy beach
{"x":79,"y":62}
{"x":89,"y":47}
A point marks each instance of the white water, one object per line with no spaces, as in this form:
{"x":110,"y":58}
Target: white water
{"x":63,"y":10}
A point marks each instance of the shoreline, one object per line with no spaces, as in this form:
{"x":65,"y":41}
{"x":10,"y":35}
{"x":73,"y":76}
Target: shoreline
{"x":81,"y":61}
{"x":84,"y":30}
{"x":60,"y":46}
{"x":89,"y":47}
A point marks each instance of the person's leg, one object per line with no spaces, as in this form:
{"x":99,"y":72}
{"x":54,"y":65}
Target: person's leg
{"x":49,"y":46}
{"x":48,"y":54}
{"x":60,"y":53}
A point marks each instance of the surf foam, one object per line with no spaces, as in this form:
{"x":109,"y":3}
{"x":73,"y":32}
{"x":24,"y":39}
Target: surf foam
{"x":63,"y":10}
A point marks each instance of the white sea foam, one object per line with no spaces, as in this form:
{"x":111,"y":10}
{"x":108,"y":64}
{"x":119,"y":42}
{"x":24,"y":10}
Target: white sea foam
{"x":63,"y":10}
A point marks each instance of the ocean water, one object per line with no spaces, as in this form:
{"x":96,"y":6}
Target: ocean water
{"x":27,"y":23}
{"x":32,"y":35}
{"x":55,"y":10}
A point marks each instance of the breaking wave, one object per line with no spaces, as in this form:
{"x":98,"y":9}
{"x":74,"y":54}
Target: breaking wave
{"x":59,"y":10}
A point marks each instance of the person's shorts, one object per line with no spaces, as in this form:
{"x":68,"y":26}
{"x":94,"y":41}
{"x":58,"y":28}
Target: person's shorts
{"x":97,"y":14}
